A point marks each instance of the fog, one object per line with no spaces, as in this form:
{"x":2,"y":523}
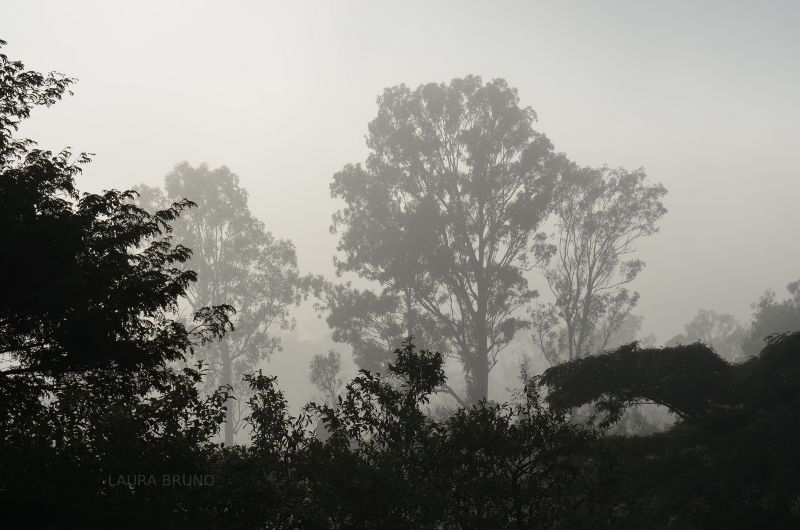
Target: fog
{"x":420,"y":264}
{"x":703,"y":96}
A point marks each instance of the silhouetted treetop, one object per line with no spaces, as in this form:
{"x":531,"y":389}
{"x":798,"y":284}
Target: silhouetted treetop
{"x":22,"y":90}
{"x":89,"y":281}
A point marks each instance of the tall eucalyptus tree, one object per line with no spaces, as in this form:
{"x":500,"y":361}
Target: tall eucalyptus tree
{"x":238,"y":262}
{"x":444,"y":212}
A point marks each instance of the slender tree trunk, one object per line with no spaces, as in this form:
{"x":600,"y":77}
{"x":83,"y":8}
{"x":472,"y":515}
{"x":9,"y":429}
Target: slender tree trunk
{"x":570,"y":340}
{"x":410,"y":324}
{"x":227,"y":378}
{"x":479,"y":369}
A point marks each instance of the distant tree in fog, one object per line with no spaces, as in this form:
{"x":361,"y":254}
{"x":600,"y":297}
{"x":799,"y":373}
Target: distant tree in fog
{"x":722,"y":332}
{"x":771,"y":316}
{"x":629,"y":330}
{"x":239,"y":263}
{"x":443,"y":214}
{"x":374,"y":324}
{"x":599,"y":216}
{"x":323,"y":372}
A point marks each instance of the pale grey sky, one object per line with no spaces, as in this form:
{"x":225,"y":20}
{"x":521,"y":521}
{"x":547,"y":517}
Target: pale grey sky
{"x":703,"y":95}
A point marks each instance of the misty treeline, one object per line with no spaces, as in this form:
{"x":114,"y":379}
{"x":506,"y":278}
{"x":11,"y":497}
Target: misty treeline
{"x":133,"y":326}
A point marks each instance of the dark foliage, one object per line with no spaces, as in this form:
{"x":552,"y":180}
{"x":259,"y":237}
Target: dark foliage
{"x":690,"y":380}
{"x":88,"y":341}
{"x":387,"y":464}
{"x":731,"y":462}
{"x":88,"y":280}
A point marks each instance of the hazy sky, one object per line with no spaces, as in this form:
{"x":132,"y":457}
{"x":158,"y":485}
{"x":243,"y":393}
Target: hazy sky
{"x":705,"y":97}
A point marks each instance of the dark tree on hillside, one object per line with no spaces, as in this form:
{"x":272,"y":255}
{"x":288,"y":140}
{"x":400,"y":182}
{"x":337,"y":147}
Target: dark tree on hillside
{"x":238,"y":263}
{"x":88,"y":333}
{"x":599,"y":216}
{"x":771,"y":316}
{"x":453,"y":192}
{"x":90,"y":281}
{"x":731,"y":461}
